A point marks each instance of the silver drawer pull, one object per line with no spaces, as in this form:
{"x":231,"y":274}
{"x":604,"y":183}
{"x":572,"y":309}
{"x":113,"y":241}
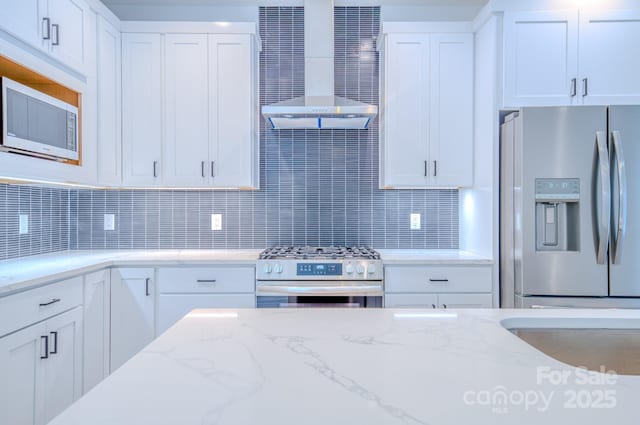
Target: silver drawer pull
{"x":438,"y":280}
{"x":206,"y":281}
{"x":53,"y":301}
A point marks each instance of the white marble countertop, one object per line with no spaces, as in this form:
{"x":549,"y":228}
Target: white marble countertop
{"x":30,"y":272}
{"x":431,"y":257}
{"x":357,"y":366}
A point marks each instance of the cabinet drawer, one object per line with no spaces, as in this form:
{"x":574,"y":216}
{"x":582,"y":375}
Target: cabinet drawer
{"x":22,"y":309}
{"x":411,"y":301}
{"x":437,"y":279}
{"x":206,"y":280}
{"x":173,"y":307}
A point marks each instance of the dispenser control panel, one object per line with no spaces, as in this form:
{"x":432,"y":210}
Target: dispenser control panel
{"x":557,"y":190}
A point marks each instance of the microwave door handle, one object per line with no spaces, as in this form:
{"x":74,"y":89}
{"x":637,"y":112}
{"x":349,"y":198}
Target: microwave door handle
{"x":621,"y":224}
{"x":605,"y":198}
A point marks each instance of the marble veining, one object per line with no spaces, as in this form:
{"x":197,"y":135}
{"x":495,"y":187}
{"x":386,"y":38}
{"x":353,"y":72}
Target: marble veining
{"x":351,"y":366}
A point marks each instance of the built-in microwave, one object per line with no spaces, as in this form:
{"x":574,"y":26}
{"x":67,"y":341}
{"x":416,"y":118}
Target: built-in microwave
{"x":34,"y":122}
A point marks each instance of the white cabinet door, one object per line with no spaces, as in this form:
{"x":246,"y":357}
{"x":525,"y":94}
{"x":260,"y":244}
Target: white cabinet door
{"x":97,"y":294}
{"x":186,"y":144}
{"x":405,"y":125}
{"x":610,"y":57}
{"x":465,"y":300}
{"x":21,"y":369}
{"x":62,"y":383}
{"x":109,"y":104}
{"x":232,"y":113}
{"x":25,"y":19}
{"x":451,"y":123}
{"x":540,"y":58}
{"x":410,"y":300}
{"x":132,"y":312}
{"x":69,"y":26}
{"x":142,"y":109}
{"x":173,"y":307}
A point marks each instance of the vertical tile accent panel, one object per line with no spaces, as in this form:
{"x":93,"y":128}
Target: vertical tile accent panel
{"x":48,"y":211}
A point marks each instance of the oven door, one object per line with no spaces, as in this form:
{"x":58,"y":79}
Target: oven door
{"x":310,"y":294}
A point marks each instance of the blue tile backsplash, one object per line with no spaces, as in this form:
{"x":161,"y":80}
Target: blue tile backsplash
{"x":318,"y":187}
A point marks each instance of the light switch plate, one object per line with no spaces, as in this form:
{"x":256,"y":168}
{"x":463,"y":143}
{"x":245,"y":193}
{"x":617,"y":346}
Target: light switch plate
{"x":216,"y":221}
{"x":414,"y":221}
{"x":24,"y":224}
{"x":109,"y":222}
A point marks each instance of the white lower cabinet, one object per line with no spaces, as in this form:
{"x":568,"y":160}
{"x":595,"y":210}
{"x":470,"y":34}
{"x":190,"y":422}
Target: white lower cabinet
{"x":41,"y":369}
{"x":97,"y":318}
{"x":132,"y":312}
{"x":184,"y":289}
{"x":460,"y":286}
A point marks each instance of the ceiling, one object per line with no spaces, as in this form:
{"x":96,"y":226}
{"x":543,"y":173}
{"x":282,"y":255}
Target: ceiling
{"x":439,"y":3}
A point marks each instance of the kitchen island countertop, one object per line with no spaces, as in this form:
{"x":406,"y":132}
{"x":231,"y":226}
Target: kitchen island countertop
{"x":358,"y":366}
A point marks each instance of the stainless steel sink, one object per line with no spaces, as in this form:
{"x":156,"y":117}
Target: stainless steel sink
{"x":613,"y":349}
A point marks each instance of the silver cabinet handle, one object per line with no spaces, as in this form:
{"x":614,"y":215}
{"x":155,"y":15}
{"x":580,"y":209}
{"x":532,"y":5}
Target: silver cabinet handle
{"x":54,"y":334}
{"x":433,"y":306}
{"x":574,"y":87}
{"x":212,"y":164}
{"x":444,"y":305}
{"x":445,"y":280}
{"x":155,"y":169}
{"x":585,"y":87}
{"x":146,"y":286}
{"x":435,"y":168}
{"x":46,"y":346}
{"x":621,"y":225}
{"x":202,"y":168}
{"x":56,"y":35}
{"x":426,"y":168}
{"x":46,"y":28}
{"x":605,"y":216}
{"x":53,"y":301}
{"x":206,"y":281}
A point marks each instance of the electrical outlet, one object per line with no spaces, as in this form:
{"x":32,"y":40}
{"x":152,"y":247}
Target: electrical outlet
{"x":24,"y":224}
{"x":109,"y":222}
{"x":216,"y":221}
{"x":414,"y":221}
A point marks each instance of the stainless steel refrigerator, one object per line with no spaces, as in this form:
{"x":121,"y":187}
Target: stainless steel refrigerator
{"x":570,"y":207}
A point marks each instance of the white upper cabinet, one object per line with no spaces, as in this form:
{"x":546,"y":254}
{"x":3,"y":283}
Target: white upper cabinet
{"x":540,"y":58}
{"x":451,"y":123}
{"x":58,"y":27}
{"x":609,"y":56}
{"x":405,"y":114}
{"x":186,"y":145}
{"x":427,"y":110}
{"x":205,"y":133}
{"x":232,"y":100}
{"x":142,"y":109}
{"x":109,"y":104}
{"x":571,"y":58}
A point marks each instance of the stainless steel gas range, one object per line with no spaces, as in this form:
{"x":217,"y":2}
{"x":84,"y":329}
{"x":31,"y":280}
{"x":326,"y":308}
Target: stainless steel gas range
{"x":319,"y":277}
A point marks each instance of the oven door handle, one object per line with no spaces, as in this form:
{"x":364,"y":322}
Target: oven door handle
{"x":353,"y":290}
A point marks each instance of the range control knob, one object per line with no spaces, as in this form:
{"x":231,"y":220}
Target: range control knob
{"x":267,"y":268}
{"x":359,"y":269}
{"x":349,"y":268}
{"x":372,"y":269}
{"x":277,"y":268}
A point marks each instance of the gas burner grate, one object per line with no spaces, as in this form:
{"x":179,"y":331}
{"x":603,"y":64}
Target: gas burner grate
{"x":318,"y":252}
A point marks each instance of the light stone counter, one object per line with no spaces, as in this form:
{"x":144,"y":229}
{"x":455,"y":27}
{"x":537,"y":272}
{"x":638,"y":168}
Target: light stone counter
{"x":31,"y":272}
{"x":357,"y":367}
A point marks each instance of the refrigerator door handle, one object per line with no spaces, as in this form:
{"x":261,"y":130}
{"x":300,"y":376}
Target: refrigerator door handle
{"x":605,"y":215}
{"x":621,"y":225}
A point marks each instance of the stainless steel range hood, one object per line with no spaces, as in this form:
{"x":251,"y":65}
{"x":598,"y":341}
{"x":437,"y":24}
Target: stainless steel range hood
{"x":319,"y":108}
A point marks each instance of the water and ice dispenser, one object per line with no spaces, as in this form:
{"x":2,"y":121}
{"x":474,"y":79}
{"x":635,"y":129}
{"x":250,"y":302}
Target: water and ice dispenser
{"x":557,"y":214}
